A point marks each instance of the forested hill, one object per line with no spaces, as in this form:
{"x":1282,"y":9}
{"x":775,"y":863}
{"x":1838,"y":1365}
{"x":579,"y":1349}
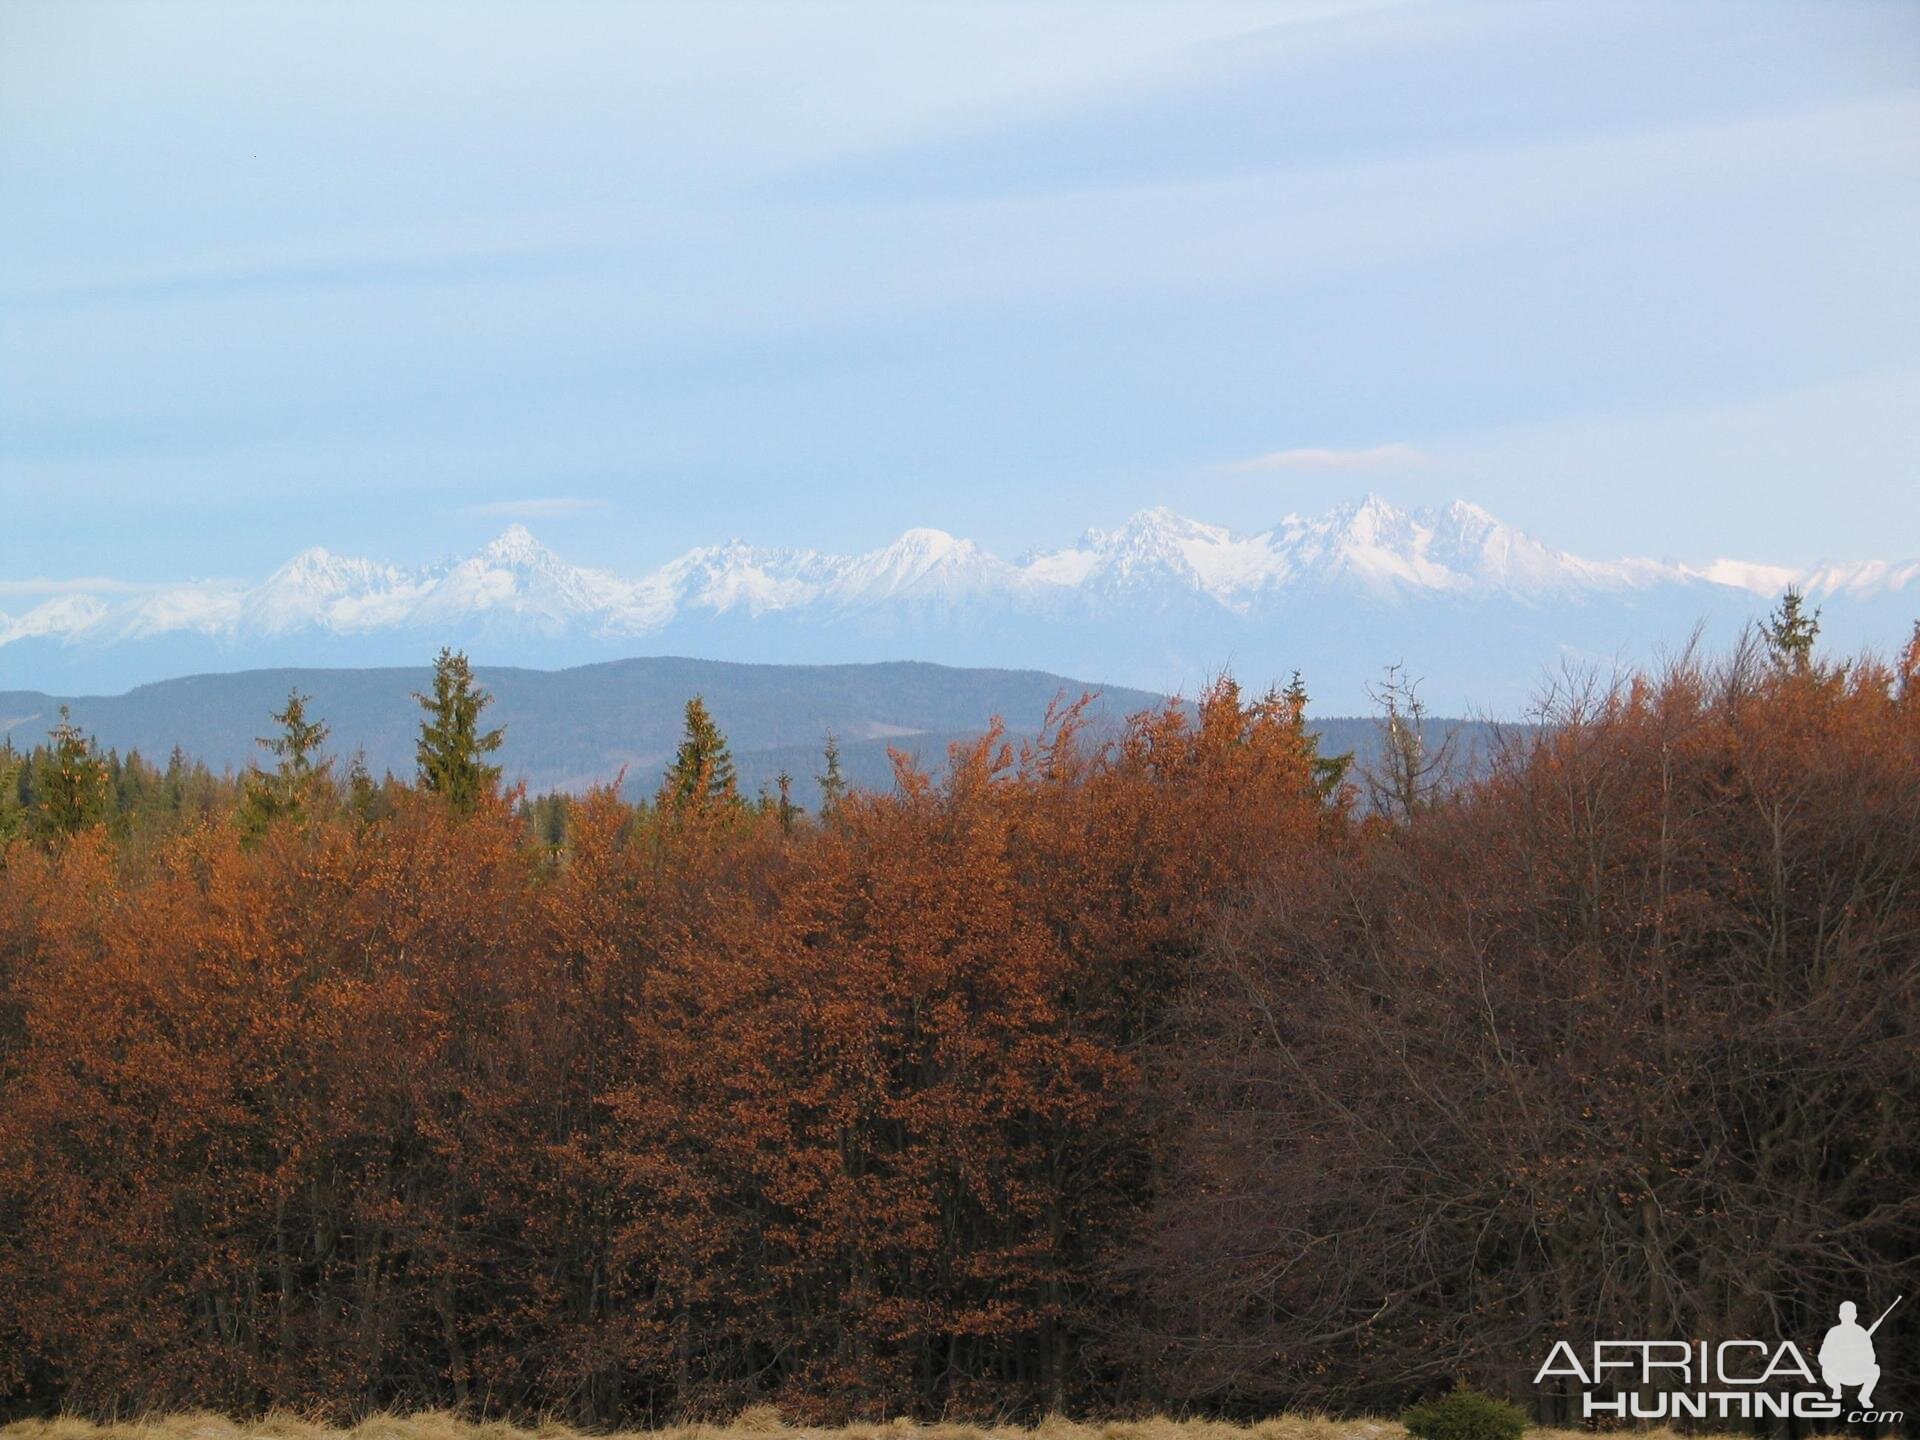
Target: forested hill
{"x":567,"y":729}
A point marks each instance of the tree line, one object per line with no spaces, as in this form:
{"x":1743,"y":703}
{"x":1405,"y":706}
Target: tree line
{"x":1176,"y":1069}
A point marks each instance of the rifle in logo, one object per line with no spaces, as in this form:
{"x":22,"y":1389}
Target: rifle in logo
{"x":1846,"y":1355}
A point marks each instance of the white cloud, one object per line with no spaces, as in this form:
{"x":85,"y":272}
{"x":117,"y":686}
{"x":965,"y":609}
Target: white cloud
{"x":1311,"y":458}
{"x":544,"y":507}
{"x":79,"y":585}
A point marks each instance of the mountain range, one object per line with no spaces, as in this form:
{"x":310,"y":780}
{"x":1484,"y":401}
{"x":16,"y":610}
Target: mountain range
{"x":1480,"y":609}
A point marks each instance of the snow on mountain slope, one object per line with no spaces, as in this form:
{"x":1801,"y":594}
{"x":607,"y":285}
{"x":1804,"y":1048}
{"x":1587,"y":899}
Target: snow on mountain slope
{"x":727,"y":578}
{"x":1457,"y":548}
{"x":1159,"y":593}
{"x":1868,"y":577}
{"x":922,"y":565}
{"x":317,"y":587}
{"x":1368,"y":547}
{"x":1157,"y":549}
{"x":517,"y":581}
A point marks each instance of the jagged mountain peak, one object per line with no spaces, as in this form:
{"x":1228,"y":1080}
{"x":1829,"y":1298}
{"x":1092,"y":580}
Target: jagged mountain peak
{"x":929,"y":540}
{"x":314,"y":557}
{"x":516,"y":546}
{"x":317,"y":563}
{"x":923,"y":565}
{"x":1374,"y":520}
{"x":1155,"y":525}
{"x":1465,"y":513}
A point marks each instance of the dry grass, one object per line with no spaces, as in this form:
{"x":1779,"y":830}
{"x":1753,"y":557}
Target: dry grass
{"x":755,"y":1424}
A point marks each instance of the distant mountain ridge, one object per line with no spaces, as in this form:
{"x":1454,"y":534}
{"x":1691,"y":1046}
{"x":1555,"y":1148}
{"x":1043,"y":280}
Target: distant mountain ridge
{"x":568,"y":729}
{"x":572,"y":728}
{"x":1477,"y":605}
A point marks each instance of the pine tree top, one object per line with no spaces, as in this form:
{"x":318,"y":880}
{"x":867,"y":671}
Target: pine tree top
{"x":1790,"y":631}
{"x":451,"y":741}
{"x":702,"y":773}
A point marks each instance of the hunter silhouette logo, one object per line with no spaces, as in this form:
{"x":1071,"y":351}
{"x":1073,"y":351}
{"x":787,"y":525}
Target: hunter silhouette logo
{"x":1846,"y":1355}
{"x":1729,"y":1380}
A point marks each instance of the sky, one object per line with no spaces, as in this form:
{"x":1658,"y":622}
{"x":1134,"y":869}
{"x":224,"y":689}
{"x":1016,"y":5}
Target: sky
{"x":1642,"y":279}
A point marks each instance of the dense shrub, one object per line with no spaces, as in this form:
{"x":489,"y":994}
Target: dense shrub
{"x":1621,"y":1039}
{"x":1464,"y":1414}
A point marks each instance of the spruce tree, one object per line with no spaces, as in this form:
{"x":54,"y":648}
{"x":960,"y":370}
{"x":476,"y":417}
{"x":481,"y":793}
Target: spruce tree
{"x":702,"y":772}
{"x":547,"y":817}
{"x":74,"y":782}
{"x":174,"y":787}
{"x":1329,"y":771}
{"x":451,"y":740}
{"x":134,"y":780}
{"x":13,"y":814}
{"x":833,"y":784}
{"x":287,"y":791}
{"x":1789,"y":632}
{"x":364,"y":796}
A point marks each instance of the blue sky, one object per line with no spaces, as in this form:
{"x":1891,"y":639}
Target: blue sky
{"x":1640,"y":278}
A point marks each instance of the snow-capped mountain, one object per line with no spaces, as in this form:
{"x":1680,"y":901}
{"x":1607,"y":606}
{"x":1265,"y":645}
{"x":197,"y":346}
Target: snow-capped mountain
{"x":1478,"y":606}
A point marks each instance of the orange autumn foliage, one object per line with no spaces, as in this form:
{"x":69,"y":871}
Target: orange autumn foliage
{"x":1086,"y":1073}
{"x":1620,"y":1039}
{"x":409,"y":1112}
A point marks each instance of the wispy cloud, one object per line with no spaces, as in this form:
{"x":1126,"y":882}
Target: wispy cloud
{"x":1376,"y":457}
{"x":541,"y":507}
{"x":80,"y":585}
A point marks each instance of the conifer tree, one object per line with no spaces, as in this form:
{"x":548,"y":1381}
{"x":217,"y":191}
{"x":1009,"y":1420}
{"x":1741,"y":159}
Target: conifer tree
{"x":174,"y":786}
{"x":1329,"y":771}
{"x":452,"y":743}
{"x":833,"y":784}
{"x":287,"y":791}
{"x":1789,"y":632}
{"x":133,"y":782}
{"x":364,"y":797}
{"x":13,"y":814}
{"x":547,"y":817}
{"x":702,"y":772}
{"x":789,"y":812}
{"x":74,"y":782}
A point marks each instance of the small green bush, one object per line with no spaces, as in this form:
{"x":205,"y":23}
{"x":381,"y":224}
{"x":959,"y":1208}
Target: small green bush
{"x":1465,"y":1415}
